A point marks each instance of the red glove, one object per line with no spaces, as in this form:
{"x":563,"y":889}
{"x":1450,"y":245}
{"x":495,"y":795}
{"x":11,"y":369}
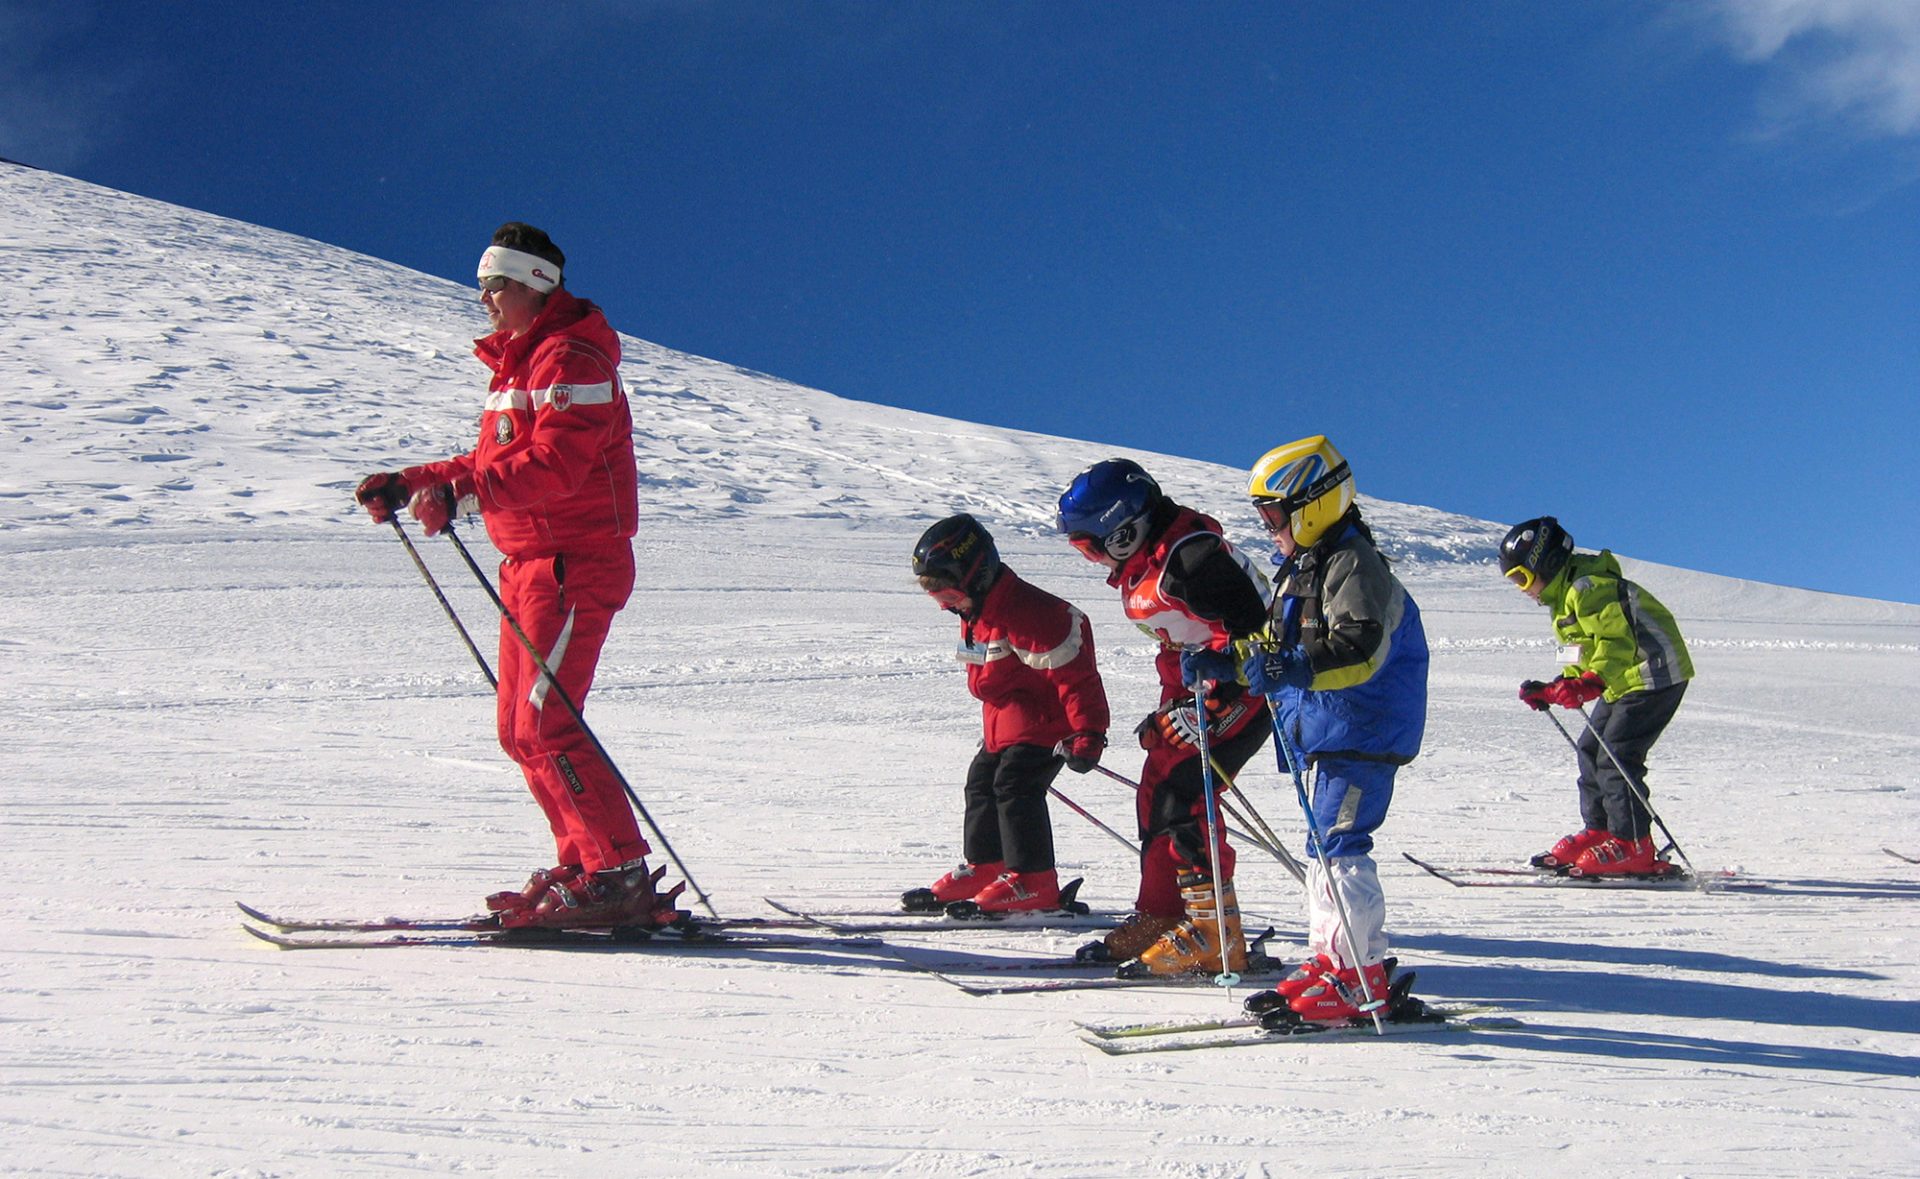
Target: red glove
{"x":382,"y":494}
{"x":1574,"y":691}
{"x":433,"y":507}
{"x":1533,"y":694}
{"x":1082,"y":751}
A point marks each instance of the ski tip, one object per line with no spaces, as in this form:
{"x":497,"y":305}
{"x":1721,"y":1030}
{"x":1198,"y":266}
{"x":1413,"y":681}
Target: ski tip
{"x":262,"y":935}
{"x":254,"y":913}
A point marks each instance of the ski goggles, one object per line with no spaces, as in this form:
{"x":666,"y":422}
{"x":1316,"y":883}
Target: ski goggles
{"x":1088,"y":544}
{"x":1521,"y":576}
{"x":1276,"y":514}
{"x":950,"y":597}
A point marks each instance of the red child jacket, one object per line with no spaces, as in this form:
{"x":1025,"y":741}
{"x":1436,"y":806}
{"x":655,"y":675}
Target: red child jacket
{"x":1159,"y":612}
{"x":1030,"y":663}
{"x":554,"y":467}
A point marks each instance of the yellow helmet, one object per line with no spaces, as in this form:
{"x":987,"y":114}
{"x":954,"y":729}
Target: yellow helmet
{"x":1306,"y":483}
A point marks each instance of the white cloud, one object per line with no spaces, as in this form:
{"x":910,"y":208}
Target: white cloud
{"x":1857,"y":60}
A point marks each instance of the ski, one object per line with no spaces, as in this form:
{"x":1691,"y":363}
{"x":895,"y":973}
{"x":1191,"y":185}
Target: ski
{"x":1239,"y":1035}
{"x":979,"y":987}
{"x":539,"y":939}
{"x":479,"y":923}
{"x":1175,"y":1027}
{"x":1901,"y":855}
{"x":1171,"y":1027}
{"x":897,"y":921}
{"x":1534,"y":878}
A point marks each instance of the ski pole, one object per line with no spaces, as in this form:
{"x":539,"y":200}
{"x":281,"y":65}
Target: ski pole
{"x":1633,"y":784}
{"x":1318,"y":850}
{"x":1077,"y":809}
{"x":444,"y":604}
{"x":1255,"y":840}
{"x":1272,"y":842}
{"x":1226,"y":977}
{"x":573,"y":709}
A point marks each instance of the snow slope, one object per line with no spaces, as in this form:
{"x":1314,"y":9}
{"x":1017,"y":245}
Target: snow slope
{"x":229,"y":687}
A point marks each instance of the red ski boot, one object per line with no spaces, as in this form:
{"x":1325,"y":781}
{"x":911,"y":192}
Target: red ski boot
{"x":536,"y":888}
{"x":1614,"y":856}
{"x":1338,"y":996}
{"x":1020,"y":892}
{"x":962,"y":884}
{"x":617,"y":898}
{"x":1561,"y":856}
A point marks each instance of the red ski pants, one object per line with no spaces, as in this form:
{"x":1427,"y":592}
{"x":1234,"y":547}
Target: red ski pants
{"x":1171,"y":806}
{"x":565,"y":604}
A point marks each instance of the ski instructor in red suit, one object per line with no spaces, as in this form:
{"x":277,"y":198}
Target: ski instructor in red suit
{"x":554,"y":481}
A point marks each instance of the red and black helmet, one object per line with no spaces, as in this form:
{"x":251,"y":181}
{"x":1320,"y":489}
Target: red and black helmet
{"x":958,"y":550}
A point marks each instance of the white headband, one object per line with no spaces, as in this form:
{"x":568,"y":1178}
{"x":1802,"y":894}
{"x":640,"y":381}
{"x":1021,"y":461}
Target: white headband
{"x":530,"y":269}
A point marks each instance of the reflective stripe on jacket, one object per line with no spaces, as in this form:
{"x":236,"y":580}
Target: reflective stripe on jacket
{"x":1623,"y":632}
{"x":1031,"y":665}
{"x":554,"y":467}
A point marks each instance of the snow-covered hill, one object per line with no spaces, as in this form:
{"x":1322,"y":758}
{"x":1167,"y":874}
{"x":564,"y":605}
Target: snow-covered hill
{"x":229,"y":686}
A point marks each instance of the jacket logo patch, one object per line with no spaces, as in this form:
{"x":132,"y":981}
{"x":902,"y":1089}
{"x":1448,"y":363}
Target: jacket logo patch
{"x":562,"y":396}
{"x":502,"y":430}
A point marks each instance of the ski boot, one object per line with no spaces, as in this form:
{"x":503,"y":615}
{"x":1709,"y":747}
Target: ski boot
{"x":1561,"y":856}
{"x":1020,"y":892}
{"x":1614,"y":856}
{"x":1339,"y":995}
{"x":623,"y":900}
{"x":1298,"y":979}
{"x":1127,"y":940}
{"x":1399,"y":1006}
{"x":536,"y":888}
{"x":962,"y":884}
{"x":1194,"y":945}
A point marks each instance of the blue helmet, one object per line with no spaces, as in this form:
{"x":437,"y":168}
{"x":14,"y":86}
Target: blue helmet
{"x":1107,"y":507}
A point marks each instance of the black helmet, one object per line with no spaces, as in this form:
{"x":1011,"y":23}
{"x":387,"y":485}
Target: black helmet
{"x":1535,"y":552}
{"x":960,"y":551}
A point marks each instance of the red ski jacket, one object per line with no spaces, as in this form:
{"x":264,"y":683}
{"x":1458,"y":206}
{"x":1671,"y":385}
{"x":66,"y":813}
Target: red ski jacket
{"x":1030,"y":663}
{"x":554,"y":467}
{"x":1186,"y":587}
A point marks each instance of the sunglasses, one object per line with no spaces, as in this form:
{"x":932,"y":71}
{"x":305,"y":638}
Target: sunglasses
{"x":494,"y":283}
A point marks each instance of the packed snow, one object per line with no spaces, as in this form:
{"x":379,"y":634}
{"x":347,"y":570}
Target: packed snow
{"x":232,"y":687}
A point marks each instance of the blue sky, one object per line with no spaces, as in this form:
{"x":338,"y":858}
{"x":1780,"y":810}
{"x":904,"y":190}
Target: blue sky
{"x":1651,"y":267}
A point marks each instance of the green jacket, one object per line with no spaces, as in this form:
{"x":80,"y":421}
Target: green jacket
{"x":1623,"y":632}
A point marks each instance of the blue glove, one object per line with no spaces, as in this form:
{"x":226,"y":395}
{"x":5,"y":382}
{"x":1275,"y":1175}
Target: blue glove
{"x":1205,"y":663}
{"x":1267,"y":673}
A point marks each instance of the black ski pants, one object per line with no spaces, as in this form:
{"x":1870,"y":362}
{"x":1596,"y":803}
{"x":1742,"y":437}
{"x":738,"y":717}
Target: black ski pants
{"x":1006,"y":813}
{"x":1630,"y":726}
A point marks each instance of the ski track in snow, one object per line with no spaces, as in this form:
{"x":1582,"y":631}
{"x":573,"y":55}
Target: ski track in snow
{"x":235,"y":689}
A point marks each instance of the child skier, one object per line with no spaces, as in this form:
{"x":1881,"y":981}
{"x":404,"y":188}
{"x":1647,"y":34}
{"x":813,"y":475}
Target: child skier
{"x":1030,"y":663}
{"x":1344,"y":664}
{"x":1633,"y":660}
{"x":1181,"y":582}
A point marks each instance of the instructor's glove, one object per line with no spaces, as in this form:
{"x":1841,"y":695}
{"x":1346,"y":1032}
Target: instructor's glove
{"x":1205,"y":663}
{"x":1082,"y":751}
{"x":433,"y":507}
{"x":1533,"y":694}
{"x":1268,"y":672}
{"x":382,"y":495}
{"x":1573,"y":691}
